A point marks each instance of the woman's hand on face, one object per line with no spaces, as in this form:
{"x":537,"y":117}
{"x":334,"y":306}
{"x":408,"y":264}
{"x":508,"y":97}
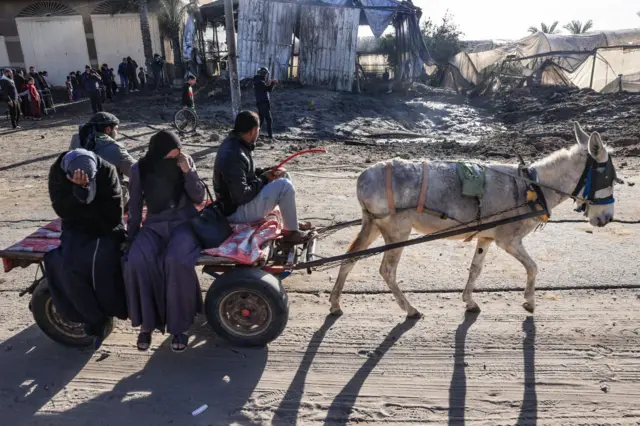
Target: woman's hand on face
{"x":184,"y":162}
{"x":79,"y":178}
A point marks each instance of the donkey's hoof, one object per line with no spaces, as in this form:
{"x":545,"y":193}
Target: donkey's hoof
{"x":473,"y":309}
{"x":416,"y":316}
{"x":528,"y":307}
{"x":336,"y":312}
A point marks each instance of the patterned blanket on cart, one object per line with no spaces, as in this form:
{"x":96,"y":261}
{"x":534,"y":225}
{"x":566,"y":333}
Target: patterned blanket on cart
{"x":246,"y":246}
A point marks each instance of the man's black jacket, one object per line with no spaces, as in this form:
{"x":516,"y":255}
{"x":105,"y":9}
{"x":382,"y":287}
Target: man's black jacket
{"x":102,"y":216}
{"x":236,"y":181}
{"x":262,"y":89}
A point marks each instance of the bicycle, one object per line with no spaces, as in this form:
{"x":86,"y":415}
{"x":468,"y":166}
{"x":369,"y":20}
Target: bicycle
{"x":186,"y":120}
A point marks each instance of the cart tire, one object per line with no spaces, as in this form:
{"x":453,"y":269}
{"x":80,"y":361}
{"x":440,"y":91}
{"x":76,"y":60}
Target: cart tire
{"x":61,"y":331}
{"x":247,"y":307}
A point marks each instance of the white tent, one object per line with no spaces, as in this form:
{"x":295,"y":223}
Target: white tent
{"x":593,"y":59}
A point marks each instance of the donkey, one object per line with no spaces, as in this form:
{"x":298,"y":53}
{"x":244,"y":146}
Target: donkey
{"x":558,"y":175}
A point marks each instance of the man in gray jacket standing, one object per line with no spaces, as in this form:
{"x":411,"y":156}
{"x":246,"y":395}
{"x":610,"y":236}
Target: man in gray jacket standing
{"x":98,"y":135}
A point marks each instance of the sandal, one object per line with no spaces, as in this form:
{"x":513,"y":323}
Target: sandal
{"x":179,"y":342}
{"x":144,"y":341}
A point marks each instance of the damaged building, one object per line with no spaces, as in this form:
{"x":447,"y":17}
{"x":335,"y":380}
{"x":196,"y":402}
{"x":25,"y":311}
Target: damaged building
{"x":315,"y":41}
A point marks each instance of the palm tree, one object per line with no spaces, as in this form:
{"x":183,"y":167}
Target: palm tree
{"x":545,"y":28}
{"x":576,"y":27}
{"x":147,"y":46}
{"x":170,"y":22}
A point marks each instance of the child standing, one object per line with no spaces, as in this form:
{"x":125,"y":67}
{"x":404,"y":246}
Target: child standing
{"x":142,"y":76}
{"x":35,"y":99}
{"x":69,"y":88}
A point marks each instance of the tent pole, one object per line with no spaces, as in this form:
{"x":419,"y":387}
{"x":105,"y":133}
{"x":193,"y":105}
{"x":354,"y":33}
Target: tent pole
{"x":593,"y":68}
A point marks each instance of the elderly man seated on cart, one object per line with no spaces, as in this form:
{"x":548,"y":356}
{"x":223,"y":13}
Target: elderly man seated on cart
{"x":84,"y":272}
{"x":248,"y":194}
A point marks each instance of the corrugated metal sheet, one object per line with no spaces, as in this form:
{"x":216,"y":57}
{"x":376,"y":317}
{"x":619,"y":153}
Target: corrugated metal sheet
{"x":328,"y":37}
{"x":119,"y":36}
{"x":4,"y":56}
{"x":56,"y":44}
{"x":265,"y":34}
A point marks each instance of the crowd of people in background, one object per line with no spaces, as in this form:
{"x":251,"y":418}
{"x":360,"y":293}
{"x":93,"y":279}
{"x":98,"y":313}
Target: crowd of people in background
{"x":28,"y":95}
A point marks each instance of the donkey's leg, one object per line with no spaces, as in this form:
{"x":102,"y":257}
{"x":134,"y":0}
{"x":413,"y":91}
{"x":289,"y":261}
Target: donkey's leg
{"x":394,"y":232}
{"x":368,"y":234}
{"x":474,"y":272}
{"x":517,"y":250}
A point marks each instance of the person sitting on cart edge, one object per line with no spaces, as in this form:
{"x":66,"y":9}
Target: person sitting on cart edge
{"x":187,"y":92}
{"x":84,"y":273}
{"x":163,"y":291}
{"x":99,"y":136}
{"x":247,"y":194}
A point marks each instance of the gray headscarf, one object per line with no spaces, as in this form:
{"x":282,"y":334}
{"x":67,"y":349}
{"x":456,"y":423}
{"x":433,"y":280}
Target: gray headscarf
{"x":81,"y":159}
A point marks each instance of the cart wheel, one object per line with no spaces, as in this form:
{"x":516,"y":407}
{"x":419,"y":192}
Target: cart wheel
{"x":186,"y":120}
{"x":247,"y":307}
{"x":53,"y":325}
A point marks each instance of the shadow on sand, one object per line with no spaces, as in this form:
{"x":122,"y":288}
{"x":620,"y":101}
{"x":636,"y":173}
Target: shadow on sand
{"x":458,"y":387}
{"x":529,"y":410}
{"x":166,"y":391}
{"x":288,"y":409}
{"x":342,"y":405}
{"x":33,"y":369}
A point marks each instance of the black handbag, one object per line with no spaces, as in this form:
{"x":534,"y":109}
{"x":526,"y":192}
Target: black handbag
{"x":211,"y":226}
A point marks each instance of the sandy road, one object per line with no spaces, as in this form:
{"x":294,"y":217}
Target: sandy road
{"x":577,"y":361}
{"x":567,"y":365}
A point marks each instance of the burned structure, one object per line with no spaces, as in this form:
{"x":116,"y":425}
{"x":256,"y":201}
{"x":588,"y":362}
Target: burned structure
{"x":315,"y":41}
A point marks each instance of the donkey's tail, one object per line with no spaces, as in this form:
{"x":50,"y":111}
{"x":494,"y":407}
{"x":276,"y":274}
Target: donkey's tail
{"x":368,"y":233}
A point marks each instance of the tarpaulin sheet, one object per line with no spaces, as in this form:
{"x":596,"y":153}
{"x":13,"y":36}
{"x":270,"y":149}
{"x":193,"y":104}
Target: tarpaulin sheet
{"x":245,"y":246}
{"x":379,"y":20}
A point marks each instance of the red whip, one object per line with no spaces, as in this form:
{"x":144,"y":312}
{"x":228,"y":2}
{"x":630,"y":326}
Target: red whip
{"x":292,"y":156}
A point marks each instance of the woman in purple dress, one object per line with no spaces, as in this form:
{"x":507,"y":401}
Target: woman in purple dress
{"x":163,"y":291}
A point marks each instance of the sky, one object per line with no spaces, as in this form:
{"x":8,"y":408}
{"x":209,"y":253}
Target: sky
{"x":509,"y":19}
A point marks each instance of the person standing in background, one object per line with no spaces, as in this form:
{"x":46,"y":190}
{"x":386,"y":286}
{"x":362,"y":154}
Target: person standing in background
{"x":91,"y":81}
{"x":78,"y":84}
{"x":106,"y":75}
{"x":23,"y":92}
{"x":263,"y":87}
{"x":10,"y":94}
{"x":142,"y":76}
{"x":156,"y":68}
{"x":124,"y":75}
{"x":114,"y":85}
{"x":69,"y":85}
{"x":35,"y":99}
{"x":132,"y":69}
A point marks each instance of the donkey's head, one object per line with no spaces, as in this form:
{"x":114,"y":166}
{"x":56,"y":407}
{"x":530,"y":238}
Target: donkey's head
{"x":596,"y":182}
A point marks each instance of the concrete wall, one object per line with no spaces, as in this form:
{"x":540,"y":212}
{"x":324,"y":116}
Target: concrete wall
{"x":9,"y":10}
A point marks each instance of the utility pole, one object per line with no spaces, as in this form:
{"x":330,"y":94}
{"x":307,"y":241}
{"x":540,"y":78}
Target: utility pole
{"x":233,"y":57}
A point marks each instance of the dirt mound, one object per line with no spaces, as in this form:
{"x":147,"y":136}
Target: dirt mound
{"x":545,"y":115}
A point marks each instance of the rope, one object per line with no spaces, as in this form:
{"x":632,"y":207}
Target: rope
{"x":532,"y":182}
{"x":356,"y":257}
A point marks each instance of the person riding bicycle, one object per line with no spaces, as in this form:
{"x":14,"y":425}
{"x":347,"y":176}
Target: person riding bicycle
{"x":187,"y":93}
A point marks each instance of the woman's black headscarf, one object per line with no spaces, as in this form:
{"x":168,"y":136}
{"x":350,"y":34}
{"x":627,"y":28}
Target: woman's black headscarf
{"x":162,"y":179}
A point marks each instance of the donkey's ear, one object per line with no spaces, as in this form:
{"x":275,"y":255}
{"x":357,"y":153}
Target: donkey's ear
{"x":581,"y":136}
{"x":597,"y":149}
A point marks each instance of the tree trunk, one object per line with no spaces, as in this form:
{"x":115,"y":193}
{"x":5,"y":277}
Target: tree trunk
{"x":146,"y":32}
{"x":177,"y":56}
